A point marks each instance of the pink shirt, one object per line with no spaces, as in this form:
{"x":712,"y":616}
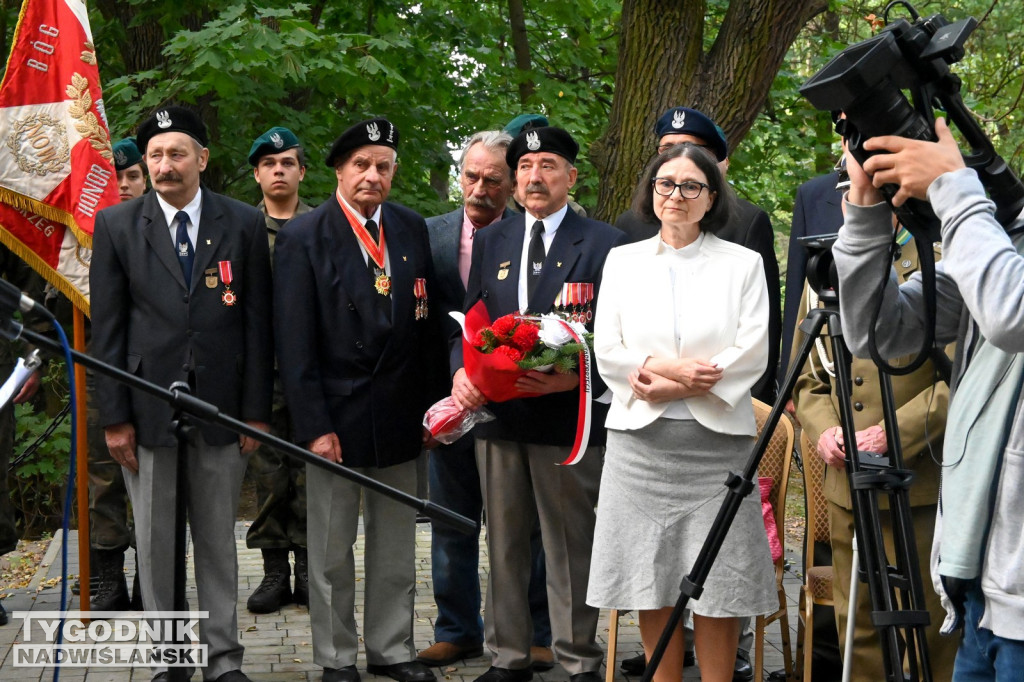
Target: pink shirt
{"x":466,"y":246}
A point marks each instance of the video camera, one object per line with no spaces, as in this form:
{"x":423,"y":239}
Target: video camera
{"x":867,"y":80}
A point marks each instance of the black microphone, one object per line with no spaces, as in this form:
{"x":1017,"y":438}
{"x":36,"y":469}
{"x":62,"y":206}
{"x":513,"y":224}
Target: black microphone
{"x":12,"y":298}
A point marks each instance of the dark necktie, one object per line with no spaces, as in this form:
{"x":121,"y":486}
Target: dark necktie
{"x":183,"y":247}
{"x":383,"y":302}
{"x":536,"y":263}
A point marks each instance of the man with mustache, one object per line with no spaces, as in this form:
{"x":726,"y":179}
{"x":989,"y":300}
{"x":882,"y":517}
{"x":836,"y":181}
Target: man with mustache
{"x":454,"y":480}
{"x":522,"y":264}
{"x":181,"y":293}
{"x":279,"y":165}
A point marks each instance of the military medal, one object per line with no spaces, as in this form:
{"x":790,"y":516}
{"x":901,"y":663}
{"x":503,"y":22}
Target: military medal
{"x":228,"y":298}
{"x":381,"y":282}
{"x":374,"y":250}
{"x":419,"y":290}
{"x":211,"y":278}
{"x":503,"y":269}
{"x":575,"y":301}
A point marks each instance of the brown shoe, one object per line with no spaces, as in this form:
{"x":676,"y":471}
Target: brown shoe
{"x":541,"y":658}
{"x":446,"y":653}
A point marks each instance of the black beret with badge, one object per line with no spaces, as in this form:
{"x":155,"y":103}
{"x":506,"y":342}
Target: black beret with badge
{"x":274,"y":141}
{"x":126,"y":154}
{"x":686,"y":121}
{"x":172,"y":119}
{"x":376,"y":131}
{"x":546,"y":139}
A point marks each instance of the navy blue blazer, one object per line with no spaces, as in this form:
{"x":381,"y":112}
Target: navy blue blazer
{"x":749,"y":227}
{"x":576,"y":254}
{"x":346,"y":368}
{"x":816,"y":210}
{"x":147,"y":322}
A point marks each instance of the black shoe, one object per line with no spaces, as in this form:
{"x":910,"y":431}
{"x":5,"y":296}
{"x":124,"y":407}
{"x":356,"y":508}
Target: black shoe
{"x":742,"y":672}
{"x":233,"y":676}
{"x":300,"y":595}
{"x":3,"y":614}
{"x":275,"y":590}
{"x":635,"y":666}
{"x":410,"y":671}
{"x":495,"y":674}
{"x":585,"y":677}
{"x":346,"y":674}
{"x":111,"y":593}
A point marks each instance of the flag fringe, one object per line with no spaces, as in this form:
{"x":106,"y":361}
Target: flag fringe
{"x":22,"y":202}
{"x":57,"y":280}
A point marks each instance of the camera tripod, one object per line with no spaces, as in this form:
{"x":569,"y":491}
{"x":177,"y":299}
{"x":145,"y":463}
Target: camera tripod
{"x":895,"y":589}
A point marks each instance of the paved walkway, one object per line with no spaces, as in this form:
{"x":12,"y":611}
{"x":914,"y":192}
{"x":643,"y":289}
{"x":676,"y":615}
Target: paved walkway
{"x":278,"y":646}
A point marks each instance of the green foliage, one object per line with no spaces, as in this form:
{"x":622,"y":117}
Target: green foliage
{"x":37,"y":483}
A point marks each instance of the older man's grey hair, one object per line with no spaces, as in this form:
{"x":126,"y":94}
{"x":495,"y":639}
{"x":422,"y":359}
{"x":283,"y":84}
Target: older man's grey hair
{"x":495,"y":140}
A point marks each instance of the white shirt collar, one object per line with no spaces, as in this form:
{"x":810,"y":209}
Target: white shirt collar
{"x":358,"y":214}
{"x":193,"y":208}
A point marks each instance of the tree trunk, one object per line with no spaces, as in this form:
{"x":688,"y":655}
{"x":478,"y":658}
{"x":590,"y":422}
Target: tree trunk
{"x":521,"y":49}
{"x":662,"y":64}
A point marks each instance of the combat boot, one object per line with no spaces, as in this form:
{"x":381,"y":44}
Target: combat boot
{"x":301,"y":592}
{"x":275,"y":590}
{"x":111,"y":593}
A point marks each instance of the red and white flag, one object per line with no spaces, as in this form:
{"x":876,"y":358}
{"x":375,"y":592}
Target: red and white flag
{"x":56,"y":165}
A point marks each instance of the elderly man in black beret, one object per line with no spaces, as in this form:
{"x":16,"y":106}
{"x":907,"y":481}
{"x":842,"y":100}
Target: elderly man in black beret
{"x":181,"y":293}
{"x":357,"y":346}
{"x":522,"y":264}
{"x":279,"y":165}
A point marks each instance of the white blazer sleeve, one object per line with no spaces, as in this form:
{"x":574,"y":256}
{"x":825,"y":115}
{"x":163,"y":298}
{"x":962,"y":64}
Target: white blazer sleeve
{"x":614,"y":360}
{"x":743,"y":362}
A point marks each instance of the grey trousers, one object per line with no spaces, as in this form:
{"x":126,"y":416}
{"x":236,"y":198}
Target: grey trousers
{"x":389,"y":569}
{"x":522,"y":483}
{"x":214,"y":484}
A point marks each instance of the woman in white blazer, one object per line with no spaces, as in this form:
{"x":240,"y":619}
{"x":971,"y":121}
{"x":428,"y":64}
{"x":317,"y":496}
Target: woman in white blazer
{"x":681,"y":336}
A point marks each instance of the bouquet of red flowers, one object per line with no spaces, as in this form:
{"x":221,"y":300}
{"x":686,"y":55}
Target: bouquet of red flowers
{"x":496,"y":354}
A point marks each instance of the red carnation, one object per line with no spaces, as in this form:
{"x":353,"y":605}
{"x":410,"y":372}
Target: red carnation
{"x":479,"y":341}
{"x":503,"y":326}
{"x":509,"y":352}
{"x":525,"y":336}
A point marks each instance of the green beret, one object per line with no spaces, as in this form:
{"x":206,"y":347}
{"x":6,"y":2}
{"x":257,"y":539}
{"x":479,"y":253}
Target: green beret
{"x":274,"y":141}
{"x":126,"y":154}
{"x":525,"y":122}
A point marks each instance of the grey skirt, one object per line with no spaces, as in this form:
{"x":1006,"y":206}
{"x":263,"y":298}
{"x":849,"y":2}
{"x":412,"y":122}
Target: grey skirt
{"x":661,"y":489}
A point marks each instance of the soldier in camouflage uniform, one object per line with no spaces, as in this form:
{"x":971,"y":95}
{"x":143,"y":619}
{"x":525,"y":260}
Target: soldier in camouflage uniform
{"x":279,"y":165}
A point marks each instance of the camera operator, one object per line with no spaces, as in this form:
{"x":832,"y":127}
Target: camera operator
{"x":978,"y":561}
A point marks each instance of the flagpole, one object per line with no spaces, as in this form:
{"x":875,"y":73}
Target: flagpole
{"x":82,"y":464}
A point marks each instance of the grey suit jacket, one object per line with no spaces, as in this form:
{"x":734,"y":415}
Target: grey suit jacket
{"x":147,"y":322}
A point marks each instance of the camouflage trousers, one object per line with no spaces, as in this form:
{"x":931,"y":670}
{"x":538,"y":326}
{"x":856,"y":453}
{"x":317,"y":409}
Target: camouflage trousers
{"x":280,"y":493}
{"x":110,"y":525}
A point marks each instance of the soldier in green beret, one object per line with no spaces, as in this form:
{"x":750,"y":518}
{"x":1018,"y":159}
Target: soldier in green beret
{"x":131,"y":171}
{"x":279,"y":165}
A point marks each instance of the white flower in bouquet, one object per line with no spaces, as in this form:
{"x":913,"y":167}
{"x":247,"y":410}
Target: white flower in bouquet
{"x":554,"y":334}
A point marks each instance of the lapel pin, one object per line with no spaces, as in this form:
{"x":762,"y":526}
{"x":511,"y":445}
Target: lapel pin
{"x":559,"y":263}
{"x":404,"y":258}
{"x":208,"y":242}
